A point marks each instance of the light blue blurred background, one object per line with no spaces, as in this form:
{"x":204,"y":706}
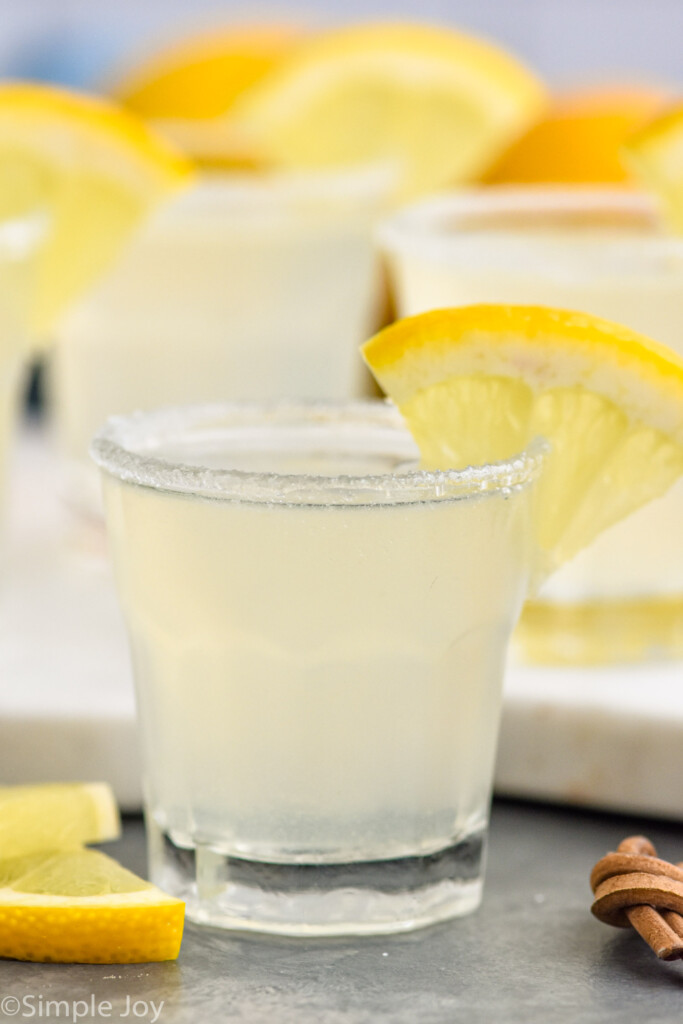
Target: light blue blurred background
{"x":82,"y":42}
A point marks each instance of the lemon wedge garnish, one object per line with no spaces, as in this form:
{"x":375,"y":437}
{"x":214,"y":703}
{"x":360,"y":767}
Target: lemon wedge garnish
{"x":438,"y":104}
{"x":94,"y":168}
{"x":477,"y":384}
{"x":655,"y":156}
{"x":55,"y":816}
{"x":201,"y":75}
{"x":183,"y":89}
{"x":578,"y":140}
{"x":81,"y":906}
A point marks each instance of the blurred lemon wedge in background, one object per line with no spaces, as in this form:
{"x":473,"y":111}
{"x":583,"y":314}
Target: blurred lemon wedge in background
{"x":82,"y":907}
{"x":655,"y":155}
{"x":95,"y":169}
{"x":438,"y":104}
{"x":579,"y":138}
{"x":55,"y":816}
{"x":184,"y":89}
{"x":201,"y":75}
{"x":479,"y":383}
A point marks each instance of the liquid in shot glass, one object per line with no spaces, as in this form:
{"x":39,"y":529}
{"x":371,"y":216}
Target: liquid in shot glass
{"x":318,"y":632}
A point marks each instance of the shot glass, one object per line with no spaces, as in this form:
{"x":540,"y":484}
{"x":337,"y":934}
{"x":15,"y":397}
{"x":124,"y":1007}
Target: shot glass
{"x":252,"y":287}
{"x":318,"y":634}
{"x":597,"y":251}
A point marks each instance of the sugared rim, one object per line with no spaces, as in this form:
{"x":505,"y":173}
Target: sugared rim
{"x":127,"y":446}
{"x":437,"y":227}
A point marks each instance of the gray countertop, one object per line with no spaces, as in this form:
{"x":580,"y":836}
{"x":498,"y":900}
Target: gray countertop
{"x":533,"y":952}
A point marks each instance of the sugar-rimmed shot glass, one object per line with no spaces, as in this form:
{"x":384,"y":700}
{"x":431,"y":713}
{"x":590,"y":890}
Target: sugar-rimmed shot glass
{"x":598,"y":251}
{"x":318,"y":633}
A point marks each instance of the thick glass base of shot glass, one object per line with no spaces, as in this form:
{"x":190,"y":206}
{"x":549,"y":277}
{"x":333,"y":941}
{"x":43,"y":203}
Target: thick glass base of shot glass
{"x":601,"y":632}
{"x":369,"y":897}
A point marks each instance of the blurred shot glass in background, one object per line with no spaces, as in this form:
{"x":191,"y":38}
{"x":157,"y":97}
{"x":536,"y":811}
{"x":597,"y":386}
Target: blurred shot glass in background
{"x":318,"y":633}
{"x":244,"y":287}
{"x":20,"y":238}
{"x":598,"y":251}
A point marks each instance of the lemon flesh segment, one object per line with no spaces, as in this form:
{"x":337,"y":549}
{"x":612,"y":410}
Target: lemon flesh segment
{"x":94,"y":170}
{"x":56,"y":816}
{"x":438,"y":105}
{"x":83,"y":907}
{"x":654,"y":154}
{"x":478,"y":384}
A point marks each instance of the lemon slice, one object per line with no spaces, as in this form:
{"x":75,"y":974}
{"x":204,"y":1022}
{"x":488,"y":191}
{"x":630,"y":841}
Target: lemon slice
{"x":478,"y":383}
{"x":439,"y":104}
{"x":94,"y":168}
{"x":82,"y":907}
{"x":184,"y":89}
{"x":655,"y":156}
{"x":579,"y":139}
{"x":55,"y":816}
{"x":203,"y":74}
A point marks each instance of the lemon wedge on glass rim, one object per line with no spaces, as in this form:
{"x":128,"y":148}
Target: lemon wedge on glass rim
{"x":202,"y":74}
{"x":80,"y":906}
{"x":579,"y":138}
{"x":438,"y":105}
{"x":185,"y":87}
{"x":93,"y":169}
{"x":654,"y":154}
{"x":477,"y":384}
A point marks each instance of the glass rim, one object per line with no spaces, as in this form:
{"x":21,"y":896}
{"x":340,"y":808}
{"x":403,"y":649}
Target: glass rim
{"x":415,"y":230}
{"x":125,"y":449}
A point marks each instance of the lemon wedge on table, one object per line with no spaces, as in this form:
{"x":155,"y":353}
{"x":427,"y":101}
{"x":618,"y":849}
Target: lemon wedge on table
{"x":438,"y":104}
{"x":477,"y":384}
{"x":81,"y":906}
{"x":655,"y":156}
{"x":55,"y":816}
{"x":94,"y":168}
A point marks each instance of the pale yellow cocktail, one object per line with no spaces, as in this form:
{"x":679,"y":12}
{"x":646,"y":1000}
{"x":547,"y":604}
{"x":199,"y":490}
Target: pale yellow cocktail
{"x":318,"y":634}
{"x":319,"y":627}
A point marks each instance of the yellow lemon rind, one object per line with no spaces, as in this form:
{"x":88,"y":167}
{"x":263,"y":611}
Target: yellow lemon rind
{"x":545,"y":347}
{"x":200,"y":76}
{"x":80,"y":906}
{"x":141,"y":927}
{"x":26,"y":106}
